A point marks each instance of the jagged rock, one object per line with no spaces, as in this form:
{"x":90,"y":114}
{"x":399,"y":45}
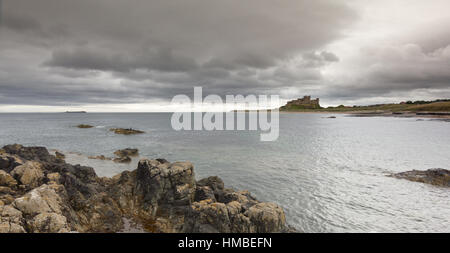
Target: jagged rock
{"x":49,"y":223}
{"x":4,"y":162}
{"x":214,"y":182}
{"x":165,"y":183}
{"x":217,"y":186}
{"x":162,"y":160}
{"x":39,"y":154}
{"x":439,"y":177}
{"x":6,"y":190}
{"x":243,"y":197}
{"x":40,"y":200}
{"x":160,"y":196}
{"x":30,"y":174}
{"x":209,"y":216}
{"x":8,"y":227}
{"x":156,"y":194}
{"x":235,"y":212}
{"x":46,"y":210}
{"x":100,"y":214}
{"x":60,"y":155}
{"x":83,"y":173}
{"x":9,"y":162}
{"x":53,"y":178}
{"x":266,"y":217}
{"x":11,"y":220}
{"x":6,"y":179}
{"x":7,"y":198}
{"x":203,"y":193}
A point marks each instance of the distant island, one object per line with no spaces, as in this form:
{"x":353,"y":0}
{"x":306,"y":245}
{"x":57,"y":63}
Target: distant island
{"x":76,"y":112}
{"x":436,"y":107}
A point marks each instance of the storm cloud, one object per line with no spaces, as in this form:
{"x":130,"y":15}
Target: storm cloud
{"x":65,"y":53}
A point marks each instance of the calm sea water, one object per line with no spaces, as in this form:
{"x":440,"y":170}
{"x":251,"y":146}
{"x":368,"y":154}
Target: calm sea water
{"x":328,"y":174}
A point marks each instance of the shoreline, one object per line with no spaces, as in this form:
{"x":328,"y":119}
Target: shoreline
{"x":40,"y":192}
{"x":430,"y":115}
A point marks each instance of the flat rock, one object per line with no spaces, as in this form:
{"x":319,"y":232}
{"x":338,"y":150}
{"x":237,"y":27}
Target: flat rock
{"x":84,"y":126}
{"x":438,"y":177}
{"x":126,"y":131}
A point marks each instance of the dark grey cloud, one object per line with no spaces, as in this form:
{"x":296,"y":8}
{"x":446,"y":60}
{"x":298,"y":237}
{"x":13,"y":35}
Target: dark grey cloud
{"x":57,"y":52}
{"x":20,"y":24}
{"x":162,"y":59}
{"x":61,"y":51}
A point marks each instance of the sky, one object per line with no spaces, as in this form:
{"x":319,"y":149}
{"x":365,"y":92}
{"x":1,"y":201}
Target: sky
{"x":136,"y":55}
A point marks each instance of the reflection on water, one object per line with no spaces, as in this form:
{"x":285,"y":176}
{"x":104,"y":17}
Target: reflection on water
{"x":328,"y":174}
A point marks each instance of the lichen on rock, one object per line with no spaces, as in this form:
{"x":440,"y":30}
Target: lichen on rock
{"x":29,"y":174}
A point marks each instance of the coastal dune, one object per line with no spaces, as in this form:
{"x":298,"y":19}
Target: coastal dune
{"x":40,"y":192}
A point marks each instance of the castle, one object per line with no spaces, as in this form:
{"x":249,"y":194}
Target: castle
{"x":304,"y":103}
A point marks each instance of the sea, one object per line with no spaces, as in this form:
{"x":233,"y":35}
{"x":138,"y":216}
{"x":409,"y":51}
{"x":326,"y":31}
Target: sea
{"x":328,"y":174}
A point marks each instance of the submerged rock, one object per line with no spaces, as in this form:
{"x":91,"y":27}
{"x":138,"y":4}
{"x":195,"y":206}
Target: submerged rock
{"x":123,"y":155}
{"x":45,"y":194}
{"x":439,"y":177}
{"x":84,"y":126}
{"x":127,"y":152}
{"x":125,"y":159}
{"x":100,"y":157}
{"x":126,"y":131}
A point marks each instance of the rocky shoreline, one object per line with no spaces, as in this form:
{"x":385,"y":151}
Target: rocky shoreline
{"x":430,"y":115}
{"x":40,"y":192}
